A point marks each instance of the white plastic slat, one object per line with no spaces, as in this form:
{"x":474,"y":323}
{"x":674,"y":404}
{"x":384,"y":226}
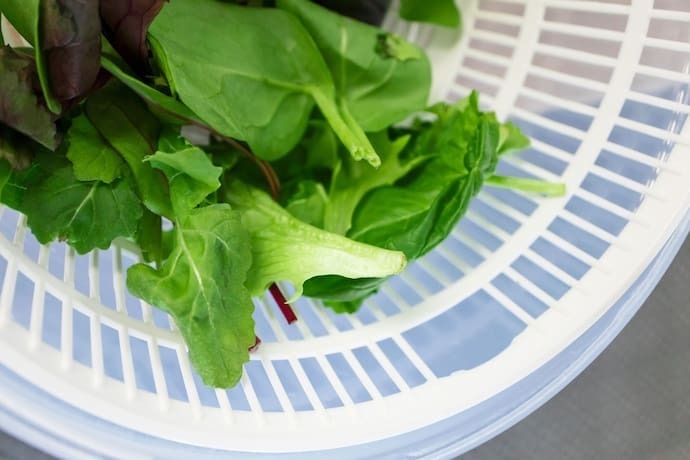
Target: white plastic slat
{"x":583,"y":31}
{"x":309,"y":390}
{"x":38,"y":302}
{"x":188,"y":381}
{"x":491,"y":58}
{"x":414,"y":358}
{"x":527,"y":284}
{"x":500,"y":17}
{"x":66,"y":340}
{"x":278,"y":389}
{"x":560,"y":77}
{"x":224,"y":406}
{"x":548,"y":123}
{"x":590,"y":6}
{"x":481,"y":76}
{"x":576,"y":55}
{"x":663,"y":73}
{"x":96,"y":344}
{"x":158,"y":375}
{"x":671,"y":45}
{"x":652,"y":131}
{"x":673,"y":106}
{"x":254,"y":404}
{"x":508,"y":304}
{"x":558,"y":103}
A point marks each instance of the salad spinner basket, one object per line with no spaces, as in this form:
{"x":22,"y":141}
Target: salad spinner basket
{"x":467,"y":341}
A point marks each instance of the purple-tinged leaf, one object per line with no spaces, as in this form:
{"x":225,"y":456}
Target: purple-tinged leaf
{"x":21,"y":106}
{"x":126,"y":23}
{"x":70,"y":42}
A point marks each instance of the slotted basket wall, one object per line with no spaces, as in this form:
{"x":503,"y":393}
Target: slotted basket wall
{"x":523,"y":295}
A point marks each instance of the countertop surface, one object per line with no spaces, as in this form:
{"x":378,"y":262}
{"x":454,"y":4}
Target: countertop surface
{"x":632,"y":403}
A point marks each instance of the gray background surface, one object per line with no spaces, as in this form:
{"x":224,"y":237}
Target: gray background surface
{"x":632,"y":403}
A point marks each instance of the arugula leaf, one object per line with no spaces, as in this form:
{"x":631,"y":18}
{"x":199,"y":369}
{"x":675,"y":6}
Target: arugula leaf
{"x":22,"y":108}
{"x":69,"y":48}
{"x":201,"y":284}
{"x":127,"y":125}
{"x":286,"y":249}
{"x":93,"y":158}
{"x":126,"y":24}
{"x":253,"y":74}
{"x":191,"y":174}
{"x":374,"y":90}
{"x":441,"y":12}
{"x":88,"y":215}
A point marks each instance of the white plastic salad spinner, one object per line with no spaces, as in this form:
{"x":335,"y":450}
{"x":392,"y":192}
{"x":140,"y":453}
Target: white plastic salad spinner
{"x":467,"y":341}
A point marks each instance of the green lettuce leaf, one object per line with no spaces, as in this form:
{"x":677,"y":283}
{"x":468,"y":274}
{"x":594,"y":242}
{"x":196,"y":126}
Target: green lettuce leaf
{"x":286,"y":249}
{"x":375,"y":89}
{"x":201,"y":285}
{"x":92,"y":157}
{"x":191,"y":174}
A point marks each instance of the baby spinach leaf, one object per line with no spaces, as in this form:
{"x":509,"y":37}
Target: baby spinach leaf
{"x":126,"y":24}
{"x":441,"y":12}
{"x":22,"y":108}
{"x":126,"y":124}
{"x":373,"y":89}
{"x":201,"y":285}
{"x":191,"y":174}
{"x":286,"y":249}
{"x":92,"y":157}
{"x":253,"y":74}
{"x":88,"y":215}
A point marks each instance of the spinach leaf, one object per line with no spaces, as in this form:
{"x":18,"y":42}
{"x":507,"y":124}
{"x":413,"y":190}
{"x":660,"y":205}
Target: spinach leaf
{"x":156,"y":99}
{"x":253,"y":74}
{"x":126,"y":24}
{"x":127,"y":125}
{"x":92,"y":157}
{"x":191,"y":174}
{"x":441,"y":12}
{"x":372,"y":88}
{"x":22,"y":108}
{"x":88,"y":215}
{"x":201,"y":284}
{"x":286,"y":249}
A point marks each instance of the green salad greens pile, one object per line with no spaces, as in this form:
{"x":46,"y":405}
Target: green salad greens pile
{"x":325,"y":167}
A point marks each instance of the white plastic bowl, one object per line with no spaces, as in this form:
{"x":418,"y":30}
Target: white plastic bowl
{"x":470,"y":339}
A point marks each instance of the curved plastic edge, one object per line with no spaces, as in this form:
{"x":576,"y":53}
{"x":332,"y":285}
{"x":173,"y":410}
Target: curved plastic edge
{"x":81,"y":435}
